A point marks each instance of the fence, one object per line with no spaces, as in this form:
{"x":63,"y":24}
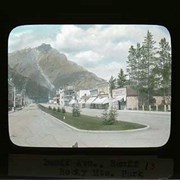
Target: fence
{"x":165,"y":108}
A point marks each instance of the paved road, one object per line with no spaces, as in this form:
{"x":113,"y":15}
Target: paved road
{"x":33,"y":127}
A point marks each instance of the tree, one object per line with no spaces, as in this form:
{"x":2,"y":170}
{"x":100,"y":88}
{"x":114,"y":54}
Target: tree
{"x":110,"y":116}
{"x":131,"y":65}
{"x":135,"y":70}
{"x":112,"y":82}
{"x":164,"y":67}
{"x":149,"y":68}
{"x":121,"y":80}
{"x":76,"y":111}
{"x":148,"y":64}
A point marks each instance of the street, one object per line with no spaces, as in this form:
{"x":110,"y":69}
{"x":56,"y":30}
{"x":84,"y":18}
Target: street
{"x":33,"y":127}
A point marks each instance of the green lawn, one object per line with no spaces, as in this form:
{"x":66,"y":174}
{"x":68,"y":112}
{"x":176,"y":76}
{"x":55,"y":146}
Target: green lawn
{"x":91,"y":123}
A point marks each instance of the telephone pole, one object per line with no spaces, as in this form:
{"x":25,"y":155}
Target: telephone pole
{"x":14,"y":101}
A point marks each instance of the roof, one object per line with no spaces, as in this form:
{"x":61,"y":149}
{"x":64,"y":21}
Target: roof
{"x":73,"y":101}
{"x":99,"y":100}
{"x":90,"y":100}
{"x":106,"y":100}
{"x":131,"y":92}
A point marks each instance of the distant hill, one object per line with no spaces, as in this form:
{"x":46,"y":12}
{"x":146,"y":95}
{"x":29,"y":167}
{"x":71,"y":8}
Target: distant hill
{"x":32,"y":88}
{"x":43,"y":69}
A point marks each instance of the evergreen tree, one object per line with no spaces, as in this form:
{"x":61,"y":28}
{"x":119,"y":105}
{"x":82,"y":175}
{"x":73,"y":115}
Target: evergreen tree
{"x":148,"y":63}
{"x":131,"y":65}
{"x":135,"y":69}
{"x":134,"y":62}
{"x":121,"y":80}
{"x":164,"y":67}
{"x":149,"y":69}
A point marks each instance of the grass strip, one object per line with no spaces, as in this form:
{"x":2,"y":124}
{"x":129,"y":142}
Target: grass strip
{"x":91,"y":123}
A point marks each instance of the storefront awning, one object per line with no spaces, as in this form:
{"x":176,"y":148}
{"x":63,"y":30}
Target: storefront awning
{"x":103,"y":100}
{"x":90,"y":100}
{"x":73,"y":101}
{"x":106,"y":100}
{"x":119,"y":98}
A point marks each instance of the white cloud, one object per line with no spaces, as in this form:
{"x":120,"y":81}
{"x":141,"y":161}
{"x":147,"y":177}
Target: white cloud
{"x":115,"y":51}
{"x":26,"y":39}
{"x":87,"y":56}
{"x":108,"y":70}
{"x":70,"y":38}
{"x":102,"y":49}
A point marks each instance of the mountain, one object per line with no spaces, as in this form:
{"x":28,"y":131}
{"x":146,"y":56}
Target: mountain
{"x":45,"y":69}
{"x":32,"y":89}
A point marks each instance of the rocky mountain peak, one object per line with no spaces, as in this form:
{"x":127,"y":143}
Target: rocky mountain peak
{"x":44,"y":69}
{"x":44,"y":48}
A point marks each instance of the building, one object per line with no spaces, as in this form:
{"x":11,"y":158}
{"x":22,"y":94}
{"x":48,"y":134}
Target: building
{"x":102,"y":96}
{"x":99,"y":97}
{"x":93,"y":96}
{"x":103,"y":88}
{"x":119,"y":98}
{"x":132,"y":99}
{"x":101,"y":102}
{"x":73,"y":102}
{"x":82,"y":97}
{"x":94,"y":92}
{"x":66,"y":96}
{"x":69,"y":94}
{"x":159,"y":100}
{"x":125,"y":98}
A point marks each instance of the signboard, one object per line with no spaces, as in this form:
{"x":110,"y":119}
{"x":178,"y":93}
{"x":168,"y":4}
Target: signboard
{"x":118,"y":92}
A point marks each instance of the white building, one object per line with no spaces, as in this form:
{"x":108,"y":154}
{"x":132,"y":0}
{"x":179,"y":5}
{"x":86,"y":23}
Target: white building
{"x":61,"y":98}
{"x":82,"y":93}
{"x":99,"y":97}
{"x":67,"y":96}
{"x":82,"y":97}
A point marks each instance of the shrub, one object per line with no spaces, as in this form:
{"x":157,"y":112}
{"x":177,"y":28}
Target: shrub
{"x":112,"y":115}
{"x":105,"y":115}
{"x":63,"y":110}
{"x":161,"y":108}
{"x":153,"y":108}
{"x":50,"y":108}
{"x":58,"y":109}
{"x":54,"y":109}
{"x":110,"y":118}
{"x":76,"y":111}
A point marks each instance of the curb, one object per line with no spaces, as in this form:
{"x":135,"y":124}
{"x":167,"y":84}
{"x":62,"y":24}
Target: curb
{"x":146,"y":112}
{"x":93,"y":131}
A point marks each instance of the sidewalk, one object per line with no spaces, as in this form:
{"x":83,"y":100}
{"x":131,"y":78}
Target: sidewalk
{"x":12,"y":111}
{"x":98,"y":112}
{"x":137,"y":111}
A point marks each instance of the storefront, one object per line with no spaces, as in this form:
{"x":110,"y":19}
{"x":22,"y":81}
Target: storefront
{"x":101,"y":103}
{"x":125,"y":98}
{"x":89,"y":102}
{"x":119,"y":98}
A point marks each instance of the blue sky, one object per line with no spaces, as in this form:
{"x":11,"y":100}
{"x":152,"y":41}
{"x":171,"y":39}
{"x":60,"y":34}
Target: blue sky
{"x":101,"y":49}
